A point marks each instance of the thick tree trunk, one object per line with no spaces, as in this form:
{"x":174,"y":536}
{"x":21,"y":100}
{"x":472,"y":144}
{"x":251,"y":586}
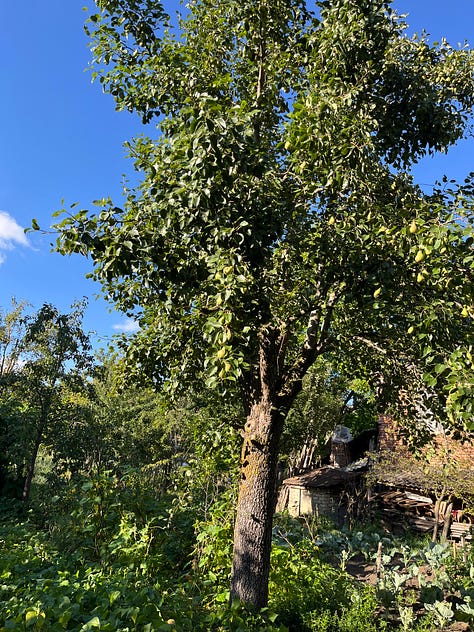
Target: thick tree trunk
{"x":256,"y":505}
{"x":34,"y":455}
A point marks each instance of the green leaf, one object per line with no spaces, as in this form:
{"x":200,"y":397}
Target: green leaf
{"x":92,"y":624}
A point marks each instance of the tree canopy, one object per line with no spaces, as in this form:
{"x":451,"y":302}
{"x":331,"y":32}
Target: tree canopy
{"x":277,"y":220}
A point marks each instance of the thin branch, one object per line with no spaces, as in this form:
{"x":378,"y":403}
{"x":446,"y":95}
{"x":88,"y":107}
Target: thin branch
{"x":372,"y":344}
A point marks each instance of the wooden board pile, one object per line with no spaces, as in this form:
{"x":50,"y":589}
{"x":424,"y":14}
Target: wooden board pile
{"x":420,"y":513}
{"x":461,"y":531}
{"x":404,"y":509}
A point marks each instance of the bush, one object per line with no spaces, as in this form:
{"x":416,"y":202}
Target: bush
{"x":360,"y":616}
{"x":305,"y":588}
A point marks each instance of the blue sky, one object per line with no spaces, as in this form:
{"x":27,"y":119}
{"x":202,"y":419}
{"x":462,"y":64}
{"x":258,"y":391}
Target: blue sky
{"x":60,"y":137}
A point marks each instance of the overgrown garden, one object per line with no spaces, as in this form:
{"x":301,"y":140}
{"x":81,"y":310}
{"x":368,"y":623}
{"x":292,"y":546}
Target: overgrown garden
{"x":128,"y":523}
{"x":286,"y":273}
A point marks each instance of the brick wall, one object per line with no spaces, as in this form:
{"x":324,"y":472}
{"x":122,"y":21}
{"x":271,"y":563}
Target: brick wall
{"x":443,"y":446}
{"x":340,"y":454}
{"x":387,"y":438}
{"x":317,"y":502}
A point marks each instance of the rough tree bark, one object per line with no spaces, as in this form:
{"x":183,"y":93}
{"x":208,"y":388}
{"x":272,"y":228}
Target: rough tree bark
{"x":258,"y":481}
{"x":256,"y":505}
{"x":271,"y":397}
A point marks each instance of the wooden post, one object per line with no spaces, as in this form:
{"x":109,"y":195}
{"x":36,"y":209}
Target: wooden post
{"x":447,"y":522}
{"x":436,"y":524}
{"x":463,"y":546}
{"x":378,"y":563}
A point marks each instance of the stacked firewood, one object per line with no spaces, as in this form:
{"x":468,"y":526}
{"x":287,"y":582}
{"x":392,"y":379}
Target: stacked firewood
{"x":420,"y":513}
{"x":403,"y":509}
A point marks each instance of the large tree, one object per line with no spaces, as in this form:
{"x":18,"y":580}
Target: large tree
{"x":41,"y":353}
{"x":276,"y":220}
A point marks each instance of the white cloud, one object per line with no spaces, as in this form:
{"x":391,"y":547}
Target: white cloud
{"x":11,"y":234}
{"x":128,"y":326}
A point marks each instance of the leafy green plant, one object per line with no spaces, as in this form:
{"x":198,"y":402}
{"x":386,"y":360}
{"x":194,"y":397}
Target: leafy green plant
{"x":302,"y":583}
{"x":360,"y":616}
{"x":236,"y":617}
{"x":442,"y":612}
{"x":407,"y":617}
{"x":42,"y":588}
{"x":213,"y":551}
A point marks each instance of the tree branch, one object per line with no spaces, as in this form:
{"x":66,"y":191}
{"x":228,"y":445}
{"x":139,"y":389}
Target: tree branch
{"x":315,"y":343}
{"x":371,"y":343}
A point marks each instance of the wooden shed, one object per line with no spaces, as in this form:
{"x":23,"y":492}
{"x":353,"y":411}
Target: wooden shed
{"x":422,"y":494}
{"x":328,"y":491}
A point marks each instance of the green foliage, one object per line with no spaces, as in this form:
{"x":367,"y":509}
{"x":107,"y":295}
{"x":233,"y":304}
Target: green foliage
{"x":42,"y":354}
{"x":112,"y":427}
{"x":128,"y":568}
{"x":15,"y":416}
{"x":283,"y":157}
{"x":12,"y":331}
{"x":301,"y":584}
{"x":213,"y":551}
{"x":360,"y":615}
{"x":276,"y":221}
{"x":212,"y":456}
{"x":60,"y":594}
{"x":17,"y":422}
{"x":327,"y":399}
{"x":115,"y":557}
{"x":122,"y":520}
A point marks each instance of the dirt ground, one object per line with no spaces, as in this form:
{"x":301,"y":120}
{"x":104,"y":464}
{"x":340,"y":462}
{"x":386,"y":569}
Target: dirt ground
{"x":361,"y":570}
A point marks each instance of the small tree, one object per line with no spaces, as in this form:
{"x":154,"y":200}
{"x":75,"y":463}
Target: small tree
{"x":276,"y":221}
{"x":12,"y":325}
{"x":15,"y":415}
{"x":55,"y":352}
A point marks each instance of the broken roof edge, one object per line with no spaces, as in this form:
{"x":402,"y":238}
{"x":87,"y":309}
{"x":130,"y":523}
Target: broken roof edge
{"x":329,"y":476}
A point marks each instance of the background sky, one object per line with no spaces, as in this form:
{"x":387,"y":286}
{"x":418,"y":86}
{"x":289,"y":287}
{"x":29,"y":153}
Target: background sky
{"x":60,"y":138}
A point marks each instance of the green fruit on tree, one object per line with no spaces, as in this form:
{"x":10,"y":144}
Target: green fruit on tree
{"x":377,"y":292}
{"x":420,"y":255}
{"x":413,"y":227}
{"x":221,"y":353}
